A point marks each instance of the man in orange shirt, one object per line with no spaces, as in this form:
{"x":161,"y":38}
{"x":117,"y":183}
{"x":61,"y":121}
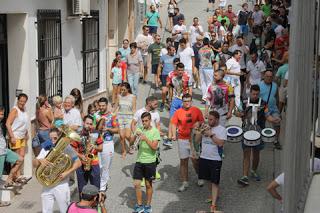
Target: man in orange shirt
{"x":185,"y":119}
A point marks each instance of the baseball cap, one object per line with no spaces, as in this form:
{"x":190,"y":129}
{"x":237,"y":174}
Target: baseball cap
{"x":90,"y":190}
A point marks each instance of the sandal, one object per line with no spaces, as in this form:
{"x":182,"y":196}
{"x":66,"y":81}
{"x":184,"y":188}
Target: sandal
{"x":4,"y":203}
{"x":213,"y":208}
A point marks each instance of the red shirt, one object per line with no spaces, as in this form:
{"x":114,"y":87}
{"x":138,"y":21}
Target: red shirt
{"x":185,"y":119}
{"x":230,"y":15}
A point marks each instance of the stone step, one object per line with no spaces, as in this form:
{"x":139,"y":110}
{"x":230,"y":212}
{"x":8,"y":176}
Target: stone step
{"x":7,"y":194}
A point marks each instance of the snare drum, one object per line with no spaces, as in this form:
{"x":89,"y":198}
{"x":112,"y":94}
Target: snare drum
{"x":268,"y":135}
{"x":235,"y":134}
{"x":252,"y":138}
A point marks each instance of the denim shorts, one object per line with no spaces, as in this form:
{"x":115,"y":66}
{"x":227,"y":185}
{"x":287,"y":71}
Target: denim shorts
{"x":175,"y":105}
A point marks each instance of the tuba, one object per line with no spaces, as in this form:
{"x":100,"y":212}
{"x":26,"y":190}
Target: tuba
{"x":49,"y":175}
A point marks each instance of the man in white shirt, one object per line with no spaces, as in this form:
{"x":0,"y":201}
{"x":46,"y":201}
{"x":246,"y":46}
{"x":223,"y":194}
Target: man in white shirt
{"x":255,"y":68}
{"x":186,"y":55}
{"x":177,"y":32}
{"x":151,"y":107}
{"x":210,"y":161}
{"x":195,"y":30}
{"x":72,"y":116}
{"x":233,"y":74}
{"x":60,"y":192}
{"x":144,"y":40}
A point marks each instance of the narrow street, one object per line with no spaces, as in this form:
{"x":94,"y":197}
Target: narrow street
{"x":166,"y":198}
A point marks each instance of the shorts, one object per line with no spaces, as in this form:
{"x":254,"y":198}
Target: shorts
{"x":125,"y":121}
{"x":210,"y":170}
{"x":163,"y":79}
{"x":282,"y":94}
{"x":211,"y":1}
{"x":145,"y":60}
{"x":275,"y":114}
{"x":175,"y":105}
{"x":153,"y":29}
{"x":257,"y":148}
{"x":244,"y":29}
{"x":10,"y":157}
{"x":19,"y":144}
{"x":144,"y":170}
{"x":184,"y":149}
{"x":170,"y":15}
{"x":154,"y":68}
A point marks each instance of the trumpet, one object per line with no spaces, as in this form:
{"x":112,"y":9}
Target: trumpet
{"x":136,"y":142}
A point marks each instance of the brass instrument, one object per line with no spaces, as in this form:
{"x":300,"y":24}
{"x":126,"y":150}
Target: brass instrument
{"x":86,"y":143}
{"x":136,"y":142}
{"x":60,"y":162}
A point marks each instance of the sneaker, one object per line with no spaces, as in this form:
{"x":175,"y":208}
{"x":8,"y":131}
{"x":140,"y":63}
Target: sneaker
{"x":161,"y":108}
{"x":194,"y":86}
{"x":143,"y":183}
{"x":255,"y":175}
{"x":167,"y":142}
{"x":200,"y":182}
{"x":147,"y":209}
{"x":158,"y":176}
{"x":184,"y":186}
{"x":138,"y":208}
{"x":277,"y":145}
{"x":244,"y":181}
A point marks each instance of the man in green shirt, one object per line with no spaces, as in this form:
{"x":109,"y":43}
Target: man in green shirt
{"x":151,"y":20}
{"x":266,"y":8}
{"x":148,"y":138}
{"x":154,"y":57}
{"x":223,"y":16}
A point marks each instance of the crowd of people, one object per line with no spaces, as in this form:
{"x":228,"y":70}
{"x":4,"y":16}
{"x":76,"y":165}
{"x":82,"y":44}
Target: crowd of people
{"x":240,"y":60}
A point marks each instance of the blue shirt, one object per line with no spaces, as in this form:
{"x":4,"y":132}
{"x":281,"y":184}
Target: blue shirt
{"x":264,"y":93}
{"x":167,"y":62}
{"x":124,"y":53}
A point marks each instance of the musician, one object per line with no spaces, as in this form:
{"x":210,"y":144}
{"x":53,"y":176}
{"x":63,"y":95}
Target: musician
{"x":184,"y":120}
{"x":60,"y":192}
{"x":146,"y":163}
{"x":220,"y":97}
{"x":106,"y":130}
{"x":83,"y":148}
{"x":263,"y":114}
{"x":151,"y":107}
{"x":210,"y":161}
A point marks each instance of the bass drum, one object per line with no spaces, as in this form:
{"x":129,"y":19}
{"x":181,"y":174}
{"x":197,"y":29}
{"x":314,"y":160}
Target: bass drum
{"x":252,"y":138}
{"x":234,"y":134}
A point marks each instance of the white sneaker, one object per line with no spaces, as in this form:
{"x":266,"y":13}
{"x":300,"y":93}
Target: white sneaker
{"x":194,"y":86}
{"x":200,"y":182}
{"x":184,"y":186}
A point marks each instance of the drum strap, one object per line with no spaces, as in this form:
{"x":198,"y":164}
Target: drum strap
{"x":269,"y":93}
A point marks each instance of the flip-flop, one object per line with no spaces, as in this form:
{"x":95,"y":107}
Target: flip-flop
{"x":4,"y":203}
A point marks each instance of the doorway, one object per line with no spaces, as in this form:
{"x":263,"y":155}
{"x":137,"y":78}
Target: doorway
{"x":4,"y":93}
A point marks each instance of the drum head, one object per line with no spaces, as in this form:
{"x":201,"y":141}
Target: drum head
{"x":268,"y":132}
{"x":251,"y":135}
{"x":234,"y":131}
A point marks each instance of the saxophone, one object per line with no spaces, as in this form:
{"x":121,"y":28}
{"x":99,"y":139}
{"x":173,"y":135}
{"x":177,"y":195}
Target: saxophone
{"x":49,"y":175}
{"x":86,"y":141}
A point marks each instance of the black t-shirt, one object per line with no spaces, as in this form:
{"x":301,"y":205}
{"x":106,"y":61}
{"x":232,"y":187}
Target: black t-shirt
{"x":243,"y":17}
{"x":176,"y":18}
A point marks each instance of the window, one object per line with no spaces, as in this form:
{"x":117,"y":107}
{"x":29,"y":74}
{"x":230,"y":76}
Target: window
{"x":49,"y":52}
{"x":90,"y":52}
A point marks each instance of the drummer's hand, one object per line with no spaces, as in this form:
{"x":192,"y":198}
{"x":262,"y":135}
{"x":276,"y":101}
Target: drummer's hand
{"x":229,"y":115}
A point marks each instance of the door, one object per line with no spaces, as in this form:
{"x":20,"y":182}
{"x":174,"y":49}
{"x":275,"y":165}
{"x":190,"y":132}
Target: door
{"x":4,"y":84}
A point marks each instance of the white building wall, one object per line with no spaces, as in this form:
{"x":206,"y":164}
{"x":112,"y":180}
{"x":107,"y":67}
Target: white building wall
{"x":23,"y":44}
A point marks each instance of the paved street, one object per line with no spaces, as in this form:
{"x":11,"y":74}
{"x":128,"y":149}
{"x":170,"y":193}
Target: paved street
{"x":166,"y":198}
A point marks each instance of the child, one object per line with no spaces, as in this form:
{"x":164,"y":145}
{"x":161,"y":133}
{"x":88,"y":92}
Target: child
{"x":91,"y":109}
{"x":9,"y":156}
{"x":116,"y":76}
{"x":57,"y":111}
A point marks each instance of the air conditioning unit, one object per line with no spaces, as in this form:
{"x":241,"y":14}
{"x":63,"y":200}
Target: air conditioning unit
{"x":80,"y":7}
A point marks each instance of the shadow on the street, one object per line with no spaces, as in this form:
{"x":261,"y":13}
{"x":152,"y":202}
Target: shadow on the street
{"x":127,"y":197}
{"x":128,"y":170}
